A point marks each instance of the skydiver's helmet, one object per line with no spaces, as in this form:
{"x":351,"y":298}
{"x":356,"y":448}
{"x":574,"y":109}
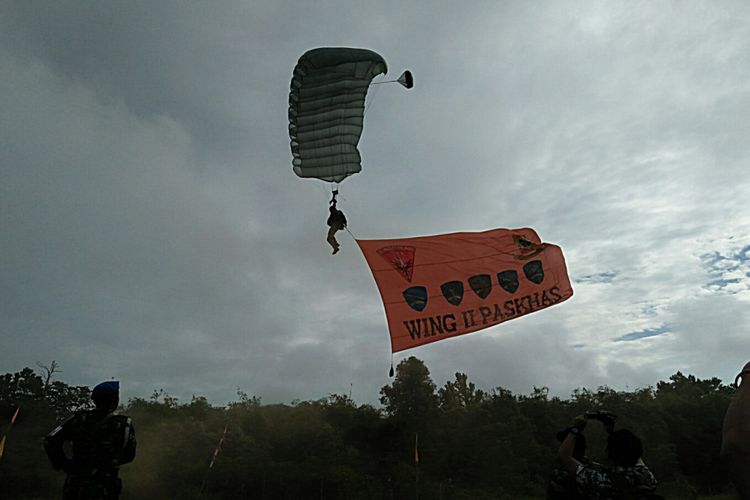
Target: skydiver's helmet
{"x":106,"y":396}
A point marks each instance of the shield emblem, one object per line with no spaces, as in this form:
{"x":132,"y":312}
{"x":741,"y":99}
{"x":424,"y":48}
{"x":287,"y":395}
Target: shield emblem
{"x":534,"y":271}
{"x":453,"y":291}
{"x":416,"y":297}
{"x":481,"y":284}
{"x":508,"y":280}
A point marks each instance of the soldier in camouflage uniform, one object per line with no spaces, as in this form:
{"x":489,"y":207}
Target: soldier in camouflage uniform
{"x":101,"y":442}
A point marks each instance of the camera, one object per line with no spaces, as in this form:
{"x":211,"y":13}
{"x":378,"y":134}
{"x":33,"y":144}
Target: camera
{"x":605,"y":417}
{"x":601,"y":415}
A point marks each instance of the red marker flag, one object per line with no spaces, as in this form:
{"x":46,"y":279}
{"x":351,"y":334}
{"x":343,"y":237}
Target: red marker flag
{"x":436,"y":287}
{"x":218,"y":447}
{"x":2,"y":440}
{"x":416,"y":448}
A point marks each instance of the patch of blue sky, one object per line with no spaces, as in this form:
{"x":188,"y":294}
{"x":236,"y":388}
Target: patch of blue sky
{"x":711,"y":259}
{"x":648,"y":332}
{"x":725,"y":272}
{"x":649,"y":309}
{"x":605,"y":277}
{"x":722,"y":266}
{"x":721,"y":282}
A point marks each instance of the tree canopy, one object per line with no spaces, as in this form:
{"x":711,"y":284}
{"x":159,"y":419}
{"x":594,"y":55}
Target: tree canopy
{"x":472,"y":443}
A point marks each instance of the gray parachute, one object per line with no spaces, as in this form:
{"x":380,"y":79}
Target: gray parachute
{"x":326,"y":109}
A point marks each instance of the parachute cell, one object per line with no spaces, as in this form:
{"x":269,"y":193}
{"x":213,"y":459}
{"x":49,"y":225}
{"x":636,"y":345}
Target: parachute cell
{"x":326,"y":110}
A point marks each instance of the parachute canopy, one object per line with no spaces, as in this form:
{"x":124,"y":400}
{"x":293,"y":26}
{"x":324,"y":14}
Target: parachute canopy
{"x":436,"y":287}
{"x":326,"y":110}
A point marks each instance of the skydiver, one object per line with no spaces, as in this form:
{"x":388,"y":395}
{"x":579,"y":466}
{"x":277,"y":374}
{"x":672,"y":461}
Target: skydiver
{"x":336,"y":222}
{"x":102,"y":441}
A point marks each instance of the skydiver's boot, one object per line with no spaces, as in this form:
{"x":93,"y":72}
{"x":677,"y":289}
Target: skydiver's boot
{"x":331,"y":239}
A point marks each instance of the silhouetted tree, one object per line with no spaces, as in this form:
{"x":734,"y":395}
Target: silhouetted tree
{"x":472,"y":444}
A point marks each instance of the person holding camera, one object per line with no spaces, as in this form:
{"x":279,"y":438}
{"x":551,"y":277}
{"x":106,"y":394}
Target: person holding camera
{"x":562,"y":486}
{"x":625,"y":476}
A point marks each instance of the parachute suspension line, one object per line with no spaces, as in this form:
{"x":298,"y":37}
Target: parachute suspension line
{"x":372,"y":95}
{"x":406,"y":80}
{"x":334,"y":191}
{"x":384,"y":82}
{"x":390,"y":373}
{"x":323,"y":190}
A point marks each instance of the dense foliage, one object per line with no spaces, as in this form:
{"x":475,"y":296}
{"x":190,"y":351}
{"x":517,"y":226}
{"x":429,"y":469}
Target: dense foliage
{"x":471,"y":444}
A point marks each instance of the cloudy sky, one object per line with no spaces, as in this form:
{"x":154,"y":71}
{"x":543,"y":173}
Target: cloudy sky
{"x":152,"y":229}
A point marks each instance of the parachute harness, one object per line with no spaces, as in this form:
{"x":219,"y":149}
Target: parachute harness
{"x":336,"y":222}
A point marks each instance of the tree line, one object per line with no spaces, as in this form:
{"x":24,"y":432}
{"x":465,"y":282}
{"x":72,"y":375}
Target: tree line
{"x":452,"y":442}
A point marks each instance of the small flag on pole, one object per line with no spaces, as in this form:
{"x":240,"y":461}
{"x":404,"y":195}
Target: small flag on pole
{"x":12,"y":421}
{"x":213,"y":459}
{"x":218,"y":447}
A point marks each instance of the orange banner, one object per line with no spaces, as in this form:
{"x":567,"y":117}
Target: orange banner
{"x":436,"y":287}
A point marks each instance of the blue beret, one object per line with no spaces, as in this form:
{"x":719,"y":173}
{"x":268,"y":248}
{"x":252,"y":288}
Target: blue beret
{"x":108,"y":388}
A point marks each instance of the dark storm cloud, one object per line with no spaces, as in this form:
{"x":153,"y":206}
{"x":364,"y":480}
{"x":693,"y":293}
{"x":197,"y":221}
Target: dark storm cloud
{"x":152,"y":228}
{"x":186,"y":61}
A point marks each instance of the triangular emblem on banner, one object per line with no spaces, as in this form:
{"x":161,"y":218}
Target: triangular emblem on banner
{"x":401,"y":258}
